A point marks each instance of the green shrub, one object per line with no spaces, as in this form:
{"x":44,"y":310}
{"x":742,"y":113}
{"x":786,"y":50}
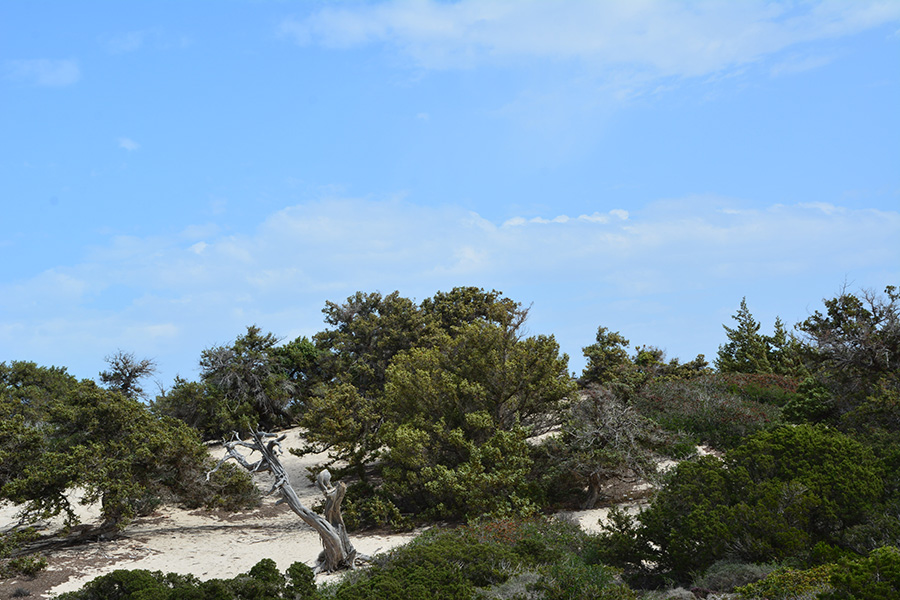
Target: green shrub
{"x":28,"y":565}
{"x":875,"y":577}
{"x":812,"y":403}
{"x":572,"y":579}
{"x":773,"y":498}
{"x":263,"y":582}
{"x":706,"y":408}
{"x":789,"y":584}
{"x":726,"y":575}
{"x":301,"y":582}
{"x":506,"y":558}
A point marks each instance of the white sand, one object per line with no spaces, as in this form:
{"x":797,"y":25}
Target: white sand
{"x":203,"y":543}
{"x":214,"y":544}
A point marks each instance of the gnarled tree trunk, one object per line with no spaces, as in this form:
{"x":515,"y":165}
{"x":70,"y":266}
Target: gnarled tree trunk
{"x":338,"y":552}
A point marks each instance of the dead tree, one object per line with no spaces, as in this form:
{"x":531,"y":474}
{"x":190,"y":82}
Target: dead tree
{"x":338,"y":552}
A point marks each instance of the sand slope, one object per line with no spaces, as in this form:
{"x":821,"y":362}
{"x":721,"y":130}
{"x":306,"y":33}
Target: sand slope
{"x":210,"y":544}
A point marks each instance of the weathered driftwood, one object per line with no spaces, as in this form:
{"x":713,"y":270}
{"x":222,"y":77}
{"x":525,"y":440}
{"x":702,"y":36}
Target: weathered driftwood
{"x":338,"y":552}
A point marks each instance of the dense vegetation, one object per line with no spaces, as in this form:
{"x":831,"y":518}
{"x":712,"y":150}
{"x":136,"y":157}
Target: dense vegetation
{"x":433,"y":411}
{"x":58,"y":434}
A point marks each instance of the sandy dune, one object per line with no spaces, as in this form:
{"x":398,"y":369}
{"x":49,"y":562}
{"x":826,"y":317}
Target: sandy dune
{"x":208,"y":544}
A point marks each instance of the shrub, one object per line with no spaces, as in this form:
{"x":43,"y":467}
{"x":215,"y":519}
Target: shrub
{"x":875,"y":577}
{"x":705,"y":408}
{"x":532,"y":558}
{"x":11,"y":542}
{"x":773,"y":498}
{"x":765,"y":388}
{"x":726,"y":575}
{"x":812,"y":403}
{"x":789,"y":584}
{"x":572,"y":579}
{"x":263,"y":582}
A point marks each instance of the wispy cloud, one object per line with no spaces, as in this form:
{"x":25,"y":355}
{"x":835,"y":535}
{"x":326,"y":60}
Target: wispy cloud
{"x":128,"y":144}
{"x":153,"y":38}
{"x":172,"y":296}
{"x":126,"y":42}
{"x":43,"y":71}
{"x":664,"y":38}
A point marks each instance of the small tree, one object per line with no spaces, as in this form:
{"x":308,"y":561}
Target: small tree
{"x":607,"y":358}
{"x":603,"y":438}
{"x":854,"y":346}
{"x":125,"y":373}
{"x":246,"y":373}
{"x":58,"y":433}
{"x":747,"y":350}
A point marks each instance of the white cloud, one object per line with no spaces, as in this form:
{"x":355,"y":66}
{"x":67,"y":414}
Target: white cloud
{"x":592,"y":218}
{"x":128,"y":144}
{"x":158,"y":297}
{"x":154,"y":38}
{"x":666,"y":38}
{"x":126,"y":42}
{"x":43,"y":72}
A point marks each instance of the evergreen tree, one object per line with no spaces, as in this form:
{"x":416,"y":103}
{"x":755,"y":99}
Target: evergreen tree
{"x":747,"y":351}
{"x":607,"y":359}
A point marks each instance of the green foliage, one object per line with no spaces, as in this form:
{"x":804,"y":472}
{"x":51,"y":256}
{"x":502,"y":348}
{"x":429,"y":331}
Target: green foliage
{"x":439,"y":473}
{"x":11,"y":542}
{"x":301,"y":582}
{"x":609,"y":365}
{"x":345,"y":423}
{"x":248,"y":375}
{"x":263,"y":582}
{"x":366,"y":332}
{"x":854,"y":346}
{"x":483,"y":367}
{"x":466,"y":305}
{"x":430,"y":406}
{"x":479,"y":559}
{"x":875,"y":577}
{"x":300,"y":361}
{"x":813,"y":403}
{"x":602,"y":437}
{"x":712,"y":409}
{"x":789,"y":584}
{"x":202,"y":407}
{"x":607,"y":358}
{"x":57,"y":433}
{"x":773,"y":498}
{"x":749,"y":351}
{"x":746,"y":350}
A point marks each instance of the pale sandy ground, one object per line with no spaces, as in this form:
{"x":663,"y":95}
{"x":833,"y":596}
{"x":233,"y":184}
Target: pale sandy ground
{"x":211,"y":544}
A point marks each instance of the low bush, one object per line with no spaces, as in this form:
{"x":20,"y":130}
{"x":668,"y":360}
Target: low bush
{"x":11,"y":542}
{"x":875,"y":577}
{"x":789,"y":584}
{"x":707,"y":409}
{"x":262,"y":582}
{"x":774,"y":498}
{"x":726,"y":575}
{"x":530,"y":559}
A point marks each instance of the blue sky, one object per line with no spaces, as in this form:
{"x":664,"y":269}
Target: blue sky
{"x":172,"y":172}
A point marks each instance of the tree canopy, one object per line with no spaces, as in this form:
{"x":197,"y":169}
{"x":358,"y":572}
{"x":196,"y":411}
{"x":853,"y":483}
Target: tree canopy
{"x":58,"y":433}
